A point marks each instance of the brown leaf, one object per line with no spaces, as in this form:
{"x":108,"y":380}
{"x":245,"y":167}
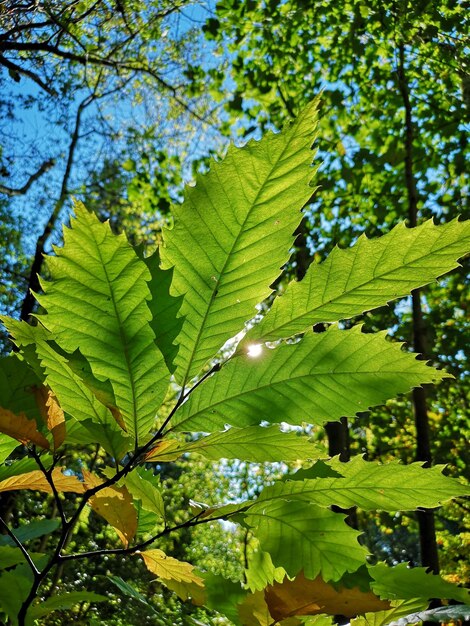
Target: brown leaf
{"x":21,"y":428}
{"x":51,"y":413}
{"x":37,"y":481}
{"x":114,"y":504}
{"x":311,"y":597}
{"x":168,"y":568}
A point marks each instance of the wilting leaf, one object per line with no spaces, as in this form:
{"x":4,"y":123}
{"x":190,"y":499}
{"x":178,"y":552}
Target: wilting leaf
{"x":114,"y":504}
{"x":310,"y":597}
{"x":52,"y":414}
{"x":21,"y":428}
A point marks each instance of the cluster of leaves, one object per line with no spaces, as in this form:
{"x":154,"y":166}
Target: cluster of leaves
{"x":142,"y":356}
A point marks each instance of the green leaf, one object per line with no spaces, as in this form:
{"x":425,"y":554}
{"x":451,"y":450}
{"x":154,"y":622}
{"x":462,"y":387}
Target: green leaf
{"x":30,"y":531}
{"x":16,"y":383}
{"x":7,"y":445}
{"x":301,"y":536}
{"x":261,"y":572}
{"x":11,"y":556}
{"x":64,"y":601}
{"x":443,"y":614}
{"x":255,"y":444}
{"x":97,"y":423}
{"x":164,"y":308}
{"x":370,"y":486}
{"x":97,"y":303}
{"x":322,"y":378}
{"x":232,"y":235}
{"x":223,"y":595}
{"x":17,"y":467}
{"x":403,"y":583}
{"x":129,"y":590}
{"x":399,"y":609}
{"x":78,"y":401}
{"x":366,"y":276}
{"x":14,"y":589}
{"x":143,"y":485}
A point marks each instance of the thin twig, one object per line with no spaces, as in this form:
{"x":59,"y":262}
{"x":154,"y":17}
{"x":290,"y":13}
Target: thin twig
{"x":11,"y":534}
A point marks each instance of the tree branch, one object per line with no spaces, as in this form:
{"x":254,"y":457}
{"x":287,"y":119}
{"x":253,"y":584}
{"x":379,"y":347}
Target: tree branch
{"x":20,"y":546}
{"x":10,"y":191}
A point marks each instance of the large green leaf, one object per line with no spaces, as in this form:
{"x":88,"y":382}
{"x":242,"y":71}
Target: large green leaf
{"x":164,"y":308}
{"x":232,"y":235}
{"x":301,"y":536}
{"x":256,"y":444}
{"x":390,"y":487}
{"x":97,"y":303}
{"x":402,"y":582}
{"x":365,"y":276}
{"x":325,"y":376}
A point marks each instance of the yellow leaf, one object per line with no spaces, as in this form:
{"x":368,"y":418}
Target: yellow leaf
{"x":114,"y":504}
{"x":21,"y":428}
{"x":168,"y":568}
{"x":311,"y":597}
{"x":37,"y":481}
{"x":187,"y":591}
{"x":51,"y":413}
{"x":253,"y":611}
{"x":166,"y":450}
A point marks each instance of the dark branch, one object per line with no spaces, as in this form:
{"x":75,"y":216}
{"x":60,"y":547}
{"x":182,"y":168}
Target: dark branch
{"x":20,"y":546}
{"x":10,"y":191}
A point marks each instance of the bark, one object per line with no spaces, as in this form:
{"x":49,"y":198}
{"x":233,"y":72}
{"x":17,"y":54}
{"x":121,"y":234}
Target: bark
{"x":427,"y":533}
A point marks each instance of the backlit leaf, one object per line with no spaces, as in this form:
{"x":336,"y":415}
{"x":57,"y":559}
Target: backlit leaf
{"x":322,"y":378}
{"x":403,"y":583}
{"x":233,"y":234}
{"x":301,"y":536}
{"x":36,"y":481}
{"x":166,"y":567}
{"x":21,"y":428}
{"x":255,"y":444}
{"x":7,"y":445}
{"x":366,"y":276}
{"x":370,"y":486}
{"x":165,"y":322}
{"x":114,"y":504}
{"x":97,"y":302}
{"x":311,"y":597}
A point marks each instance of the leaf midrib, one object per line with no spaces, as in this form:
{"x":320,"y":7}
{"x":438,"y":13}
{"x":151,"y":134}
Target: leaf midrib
{"x":123,"y":343}
{"x":348,"y":291}
{"x":228,"y":257}
{"x":282,"y":382}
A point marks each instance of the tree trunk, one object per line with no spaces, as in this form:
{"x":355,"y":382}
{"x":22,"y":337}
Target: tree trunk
{"x":427,"y":533}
